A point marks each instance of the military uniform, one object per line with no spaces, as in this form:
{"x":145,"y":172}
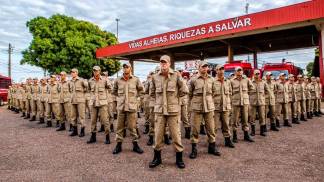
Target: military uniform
{"x":42,"y":102}
{"x":201,"y":91}
{"x":127,"y":89}
{"x":184,"y":113}
{"x":166,"y":89}
{"x":79,"y":88}
{"x":301,"y":99}
{"x":22,"y":99}
{"x":65,"y":103}
{"x":314,"y":95}
{"x":282,"y":99}
{"x":28,"y":99}
{"x":53,"y":103}
{"x":240,"y":102}
{"x":222,"y":101}
{"x":99,"y":100}
{"x":270,"y":102}
{"x":308,"y":97}
{"x":34,"y":101}
{"x":257,"y":104}
{"x":292,"y":100}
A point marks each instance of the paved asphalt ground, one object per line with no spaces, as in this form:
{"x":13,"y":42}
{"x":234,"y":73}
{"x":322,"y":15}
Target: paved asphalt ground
{"x":30,"y":152}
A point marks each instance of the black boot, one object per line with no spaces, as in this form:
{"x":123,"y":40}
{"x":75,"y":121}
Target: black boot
{"x":286,"y":123}
{"x":302,"y":117}
{"x":150,"y":141}
{"x":57,"y":124}
{"x":295,"y":121}
{"x":316,"y":114}
{"x":74,"y":131}
{"x":167,"y":140}
{"x":262,"y":130}
{"x":147,"y":129}
{"x":202,"y":130}
{"x":156,"y":159}
{"x":277,"y":123}
{"x":71,"y":128}
{"x":23,"y":114}
{"x":27,"y":116}
{"x":118,"y":148}
{"x":311,"y":115}
{"x":93,"y":138}
{"x":138,"y":115}
{"x":41,"y":121}
{"x":124,"y":133}
{"x":308,"y":115}
{"x":273,"y":127}
{"x":247,"y":137}
{"x":82,"y":132}
{"x":33,"y":118}
{"x":112,"y":128}
{"x":187,"y":132}
{"x":102,"y":128}
{"x":252,"y":130}
{"x":179,"y":162}
{"x":265,"y":128}
{"x":212,"y":149}
{"x":61,"y":128}
{"x":193,"y":154}
{"x":107,"y":141}
{"x":228,"y":142}
{"x":234,"y":136}
{"x":136,"y":148}
{"x":17,"y":110}
{"x":49,"y":124}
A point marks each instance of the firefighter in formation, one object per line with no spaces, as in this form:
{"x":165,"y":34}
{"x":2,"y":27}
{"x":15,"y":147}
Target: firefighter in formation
{"x":170,"y":102}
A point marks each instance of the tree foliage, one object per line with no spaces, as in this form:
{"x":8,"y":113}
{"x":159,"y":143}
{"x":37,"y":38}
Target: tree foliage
{"x":61,"y":43}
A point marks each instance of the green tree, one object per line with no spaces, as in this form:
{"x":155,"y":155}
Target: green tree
{"x":61,"y":43}
{"x":309,"y":68}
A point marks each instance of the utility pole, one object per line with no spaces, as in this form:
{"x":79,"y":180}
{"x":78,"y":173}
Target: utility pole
{"x":117,"y":20}
{"x":247,"y":7}
{"x":10,"y":48}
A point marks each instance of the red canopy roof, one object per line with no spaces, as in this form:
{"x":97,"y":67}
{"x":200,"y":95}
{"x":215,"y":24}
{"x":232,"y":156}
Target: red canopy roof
{"x":298,"y":16}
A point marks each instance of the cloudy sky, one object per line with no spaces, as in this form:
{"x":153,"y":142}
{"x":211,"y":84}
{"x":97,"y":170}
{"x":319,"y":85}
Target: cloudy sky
{"x":138,"y":18}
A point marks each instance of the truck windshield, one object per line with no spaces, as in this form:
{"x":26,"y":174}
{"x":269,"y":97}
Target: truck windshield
{"x":275,"y":73}
{"x":228,"y":72}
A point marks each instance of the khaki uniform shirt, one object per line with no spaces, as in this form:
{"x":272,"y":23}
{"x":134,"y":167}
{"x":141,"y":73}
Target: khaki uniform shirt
{"x":54,"y":93}
{"x":222,"y":96}
{"x":270,"y":98}
{"x":282,"y":93}
{"x":240,"y":89}
{"x":257,"y":94}
{"x":99,"y":91}
{"x":201,"y":91}
{"x":65,"y":94}
{"x":166,"y":91}
{"x":79,"y":88}
{"x":126,"y":92}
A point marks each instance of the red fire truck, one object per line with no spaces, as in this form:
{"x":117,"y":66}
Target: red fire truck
{"x":284,"y":67}
{"x":5,"y":82}
{"x":230,"y":68}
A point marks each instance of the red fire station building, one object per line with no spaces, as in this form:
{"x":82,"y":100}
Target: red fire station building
{"x":290,"y":27}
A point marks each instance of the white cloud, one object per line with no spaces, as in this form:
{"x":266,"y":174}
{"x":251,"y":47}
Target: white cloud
{"x":138,"y":18}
